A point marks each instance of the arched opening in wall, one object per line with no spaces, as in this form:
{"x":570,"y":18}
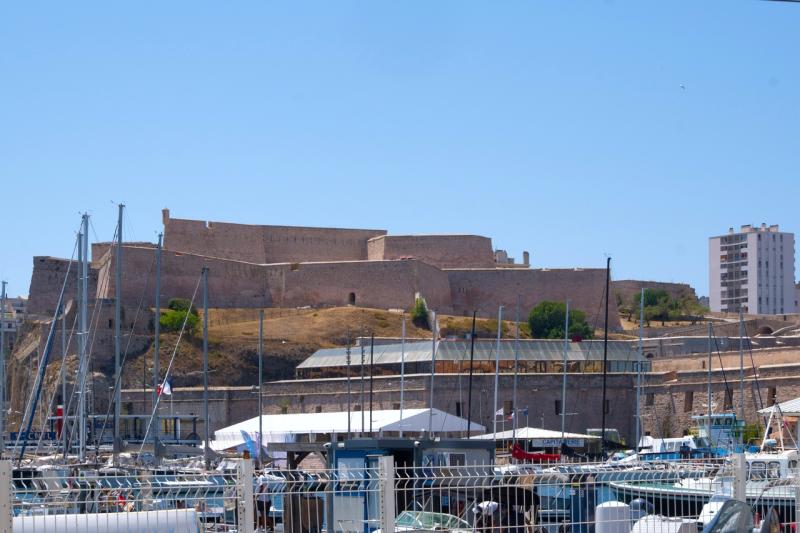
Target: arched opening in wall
{"x":351,"y":299}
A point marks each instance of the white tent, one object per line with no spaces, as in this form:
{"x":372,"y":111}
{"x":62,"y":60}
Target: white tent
{"x":286,"y":428}
{"x":544,"y":438}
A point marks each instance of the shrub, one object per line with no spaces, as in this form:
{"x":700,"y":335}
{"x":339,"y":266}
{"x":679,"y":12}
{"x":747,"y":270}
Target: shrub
{"x":172,"y":320}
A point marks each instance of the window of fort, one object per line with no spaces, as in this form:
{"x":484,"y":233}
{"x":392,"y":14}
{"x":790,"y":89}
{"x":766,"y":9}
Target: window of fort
{"x":728,"y":399}
{"x":772,"y":395}
{"x":688,"y":400}
{"x":318,"y":409}
{"x":351,"y":298}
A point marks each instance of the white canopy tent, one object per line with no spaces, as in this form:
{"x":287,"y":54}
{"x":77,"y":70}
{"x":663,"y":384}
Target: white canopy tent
{"x":544,"y":438}
{"x":286,"y":428}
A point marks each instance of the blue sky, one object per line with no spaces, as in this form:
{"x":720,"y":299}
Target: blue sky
{"x":556,"y":127}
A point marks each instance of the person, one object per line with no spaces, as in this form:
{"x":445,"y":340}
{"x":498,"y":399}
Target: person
{"x":484,"y":512}
{"x":264,"y":504}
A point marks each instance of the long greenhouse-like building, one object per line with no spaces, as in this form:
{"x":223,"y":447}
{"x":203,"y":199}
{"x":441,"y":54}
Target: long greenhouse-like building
{"x":453,"y":357}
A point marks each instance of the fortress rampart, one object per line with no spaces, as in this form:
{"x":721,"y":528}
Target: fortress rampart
{"x":628,"y":288}
{"x":484,"y":290}
{"x":443,"y":251}
{"x":279,"y":266}
{"x":266,"y":244}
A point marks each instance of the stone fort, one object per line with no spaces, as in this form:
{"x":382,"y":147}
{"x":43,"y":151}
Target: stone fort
{"x":283,"y":266}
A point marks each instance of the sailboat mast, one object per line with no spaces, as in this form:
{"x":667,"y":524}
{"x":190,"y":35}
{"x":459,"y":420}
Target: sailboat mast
{"x":349,"y":390}
{"x":2,"y":367}
{"x":640,"y":357}
{"x":260,"y":386}
{"x":206,"y":447}
{"x":497,"y":369}
{"x":471,"y":361}
{"x":83,"y":336}
{"x":433,"y":371}
{"x":708,"y":392}
{"x":564,"y":376}
{"x":157,"y":348}
{"x":514,"y":410}
{"x":741,"y":364}
{"x":117,"y":333}
{"x":64,"y":413}
{"x":371,"y":375}
{"x":605,"y":357}
{"x":402,"y":371}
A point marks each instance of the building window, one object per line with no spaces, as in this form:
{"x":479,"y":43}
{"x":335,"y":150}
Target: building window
{"x":688,"y":401}
{"x":318,"y":409}
{"x":558,"y":407}
{"x":728,"y":404}
{"x":351,"y":298}
{"x":608,"y":406}
{"x":772,"y":396}
{"x":458,"y":408}
{"x":650,"y":399}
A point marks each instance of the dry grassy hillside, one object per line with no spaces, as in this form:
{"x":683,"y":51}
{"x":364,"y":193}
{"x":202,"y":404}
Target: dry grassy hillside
{"x":290,"y":336}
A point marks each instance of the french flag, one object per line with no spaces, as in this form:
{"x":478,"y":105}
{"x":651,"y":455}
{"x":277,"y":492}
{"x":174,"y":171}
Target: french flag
{"x":165,"y":388}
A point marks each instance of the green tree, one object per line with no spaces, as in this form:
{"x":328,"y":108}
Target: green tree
{"x":419,"y":314}
{"x":546,"y":321}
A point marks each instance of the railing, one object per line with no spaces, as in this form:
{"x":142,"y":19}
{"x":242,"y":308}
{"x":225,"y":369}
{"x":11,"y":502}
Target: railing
{"x":372,"y":494}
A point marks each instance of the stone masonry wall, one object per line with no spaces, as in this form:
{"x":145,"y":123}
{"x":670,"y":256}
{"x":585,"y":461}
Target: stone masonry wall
{"x":484,"y":289}
{"x":266,"y":244}
{"x":536,"y":392}
{"x":627,"y":289}
{"x":381,"y":284}
{"x":443,"y":251}
{"x":46,"y":282}
{"x":670,"y":400}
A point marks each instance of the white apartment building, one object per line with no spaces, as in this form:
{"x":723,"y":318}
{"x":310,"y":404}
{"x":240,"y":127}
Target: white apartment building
{"x":752,"y":270}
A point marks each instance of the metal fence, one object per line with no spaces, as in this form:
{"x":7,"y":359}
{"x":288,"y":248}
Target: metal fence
{"x":517,"y":498}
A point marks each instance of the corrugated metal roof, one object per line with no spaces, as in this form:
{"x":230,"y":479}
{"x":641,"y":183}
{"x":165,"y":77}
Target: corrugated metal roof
{"x":459,"y":350}
{"x":787,"y":408}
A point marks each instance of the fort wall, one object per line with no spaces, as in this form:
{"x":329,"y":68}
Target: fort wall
{"x":627,"y":289}
{"x":266,"y":244}
{"x":381,"y":284}
{"x":443,"y":251}
{"x":46,"y":282}
{"x":483,"y":290}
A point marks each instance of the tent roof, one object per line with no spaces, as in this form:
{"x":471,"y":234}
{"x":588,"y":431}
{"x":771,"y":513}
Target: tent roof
{"x":282,"y":428}
{"x":787,"y":408}
{"x":459,"y":350}
{"x":527,"y":433}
